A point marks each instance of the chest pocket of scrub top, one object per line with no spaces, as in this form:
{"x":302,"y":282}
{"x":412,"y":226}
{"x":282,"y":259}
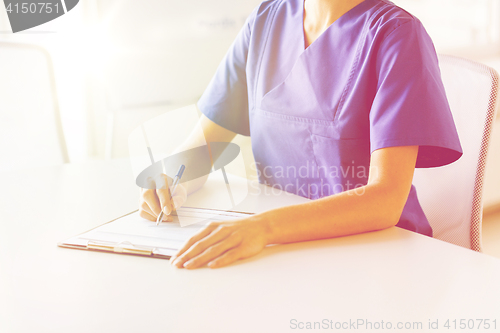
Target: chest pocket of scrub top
{"x":321,"y":164}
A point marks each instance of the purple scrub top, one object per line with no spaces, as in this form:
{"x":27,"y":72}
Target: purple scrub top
{"x":315,"y":114}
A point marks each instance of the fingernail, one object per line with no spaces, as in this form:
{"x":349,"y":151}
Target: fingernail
{"x":188,"y":264}
{"x":211,"y":264}
{"x":166,"y":210}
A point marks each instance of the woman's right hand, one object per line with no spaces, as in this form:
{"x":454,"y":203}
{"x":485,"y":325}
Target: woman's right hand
{"x":157,"y":196}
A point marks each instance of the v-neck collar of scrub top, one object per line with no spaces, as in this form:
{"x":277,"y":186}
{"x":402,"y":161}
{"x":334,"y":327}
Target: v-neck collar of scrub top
{"x":360,"y":7}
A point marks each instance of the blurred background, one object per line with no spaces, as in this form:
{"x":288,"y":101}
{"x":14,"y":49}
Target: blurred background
{"x":118,"y":63}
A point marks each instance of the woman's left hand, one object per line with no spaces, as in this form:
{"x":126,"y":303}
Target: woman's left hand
{"x":222,"y":243}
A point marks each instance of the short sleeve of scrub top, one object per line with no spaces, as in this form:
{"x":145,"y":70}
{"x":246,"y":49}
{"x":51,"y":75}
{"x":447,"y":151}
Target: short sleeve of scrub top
{"x":371,"y":80}
{"x":410,"y":106}
{"x":225,"y":101}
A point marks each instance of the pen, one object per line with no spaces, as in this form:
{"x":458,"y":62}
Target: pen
{"x":177,"y":178}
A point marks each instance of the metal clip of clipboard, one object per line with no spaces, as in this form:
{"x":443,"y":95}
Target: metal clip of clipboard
{"x":123,"y":247}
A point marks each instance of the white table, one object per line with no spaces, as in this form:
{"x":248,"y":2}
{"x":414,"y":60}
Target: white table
{"x":392,"y":275}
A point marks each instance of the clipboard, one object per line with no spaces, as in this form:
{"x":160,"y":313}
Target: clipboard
{"x":132,"y":235}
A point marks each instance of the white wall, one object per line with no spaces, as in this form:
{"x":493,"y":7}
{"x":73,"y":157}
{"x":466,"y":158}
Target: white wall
{"x":160,"y":55}
{"x":66,"y":40}
{"x":469,"y":28}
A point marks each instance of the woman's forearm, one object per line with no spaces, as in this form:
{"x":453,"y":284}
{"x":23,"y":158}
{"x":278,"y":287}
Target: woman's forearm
{"x":375,"y":206}
{"x":368,"y":208}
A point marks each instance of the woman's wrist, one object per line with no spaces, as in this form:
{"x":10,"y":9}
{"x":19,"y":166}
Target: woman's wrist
{"x":263,"y":220}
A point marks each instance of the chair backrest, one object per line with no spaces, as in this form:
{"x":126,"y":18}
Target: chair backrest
{"x":451,"y":196}
{"x":30,"y":126}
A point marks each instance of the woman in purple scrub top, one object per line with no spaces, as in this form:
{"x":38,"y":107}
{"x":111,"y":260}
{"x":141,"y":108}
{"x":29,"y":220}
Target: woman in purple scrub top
{"x":343,"y":99}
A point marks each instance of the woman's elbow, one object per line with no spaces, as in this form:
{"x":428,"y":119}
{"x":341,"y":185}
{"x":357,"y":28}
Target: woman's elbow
{"x":391,"y":205}
{"x":392,"y":218}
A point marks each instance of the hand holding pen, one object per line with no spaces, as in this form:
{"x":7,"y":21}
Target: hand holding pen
{"x":162,"y":201}
{"x":157,"y":202}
